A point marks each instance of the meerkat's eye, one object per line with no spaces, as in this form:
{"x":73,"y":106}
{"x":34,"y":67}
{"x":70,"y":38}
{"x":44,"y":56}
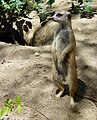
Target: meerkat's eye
{"x":69,"y":16}
{"x":59,"y":15}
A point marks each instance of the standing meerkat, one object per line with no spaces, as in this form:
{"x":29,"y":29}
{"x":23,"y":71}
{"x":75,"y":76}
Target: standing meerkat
{"x":63,"y":52}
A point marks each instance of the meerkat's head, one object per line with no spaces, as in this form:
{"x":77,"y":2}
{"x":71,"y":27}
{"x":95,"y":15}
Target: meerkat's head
{"x":62,"y":17}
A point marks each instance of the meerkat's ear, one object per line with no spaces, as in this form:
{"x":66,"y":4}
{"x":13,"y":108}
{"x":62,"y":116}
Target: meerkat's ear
{"x":69,"y":16}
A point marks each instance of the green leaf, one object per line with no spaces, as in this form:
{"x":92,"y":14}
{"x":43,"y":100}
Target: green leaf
{"x":50,"y":2}
{"x":18,"y":2}
{"x":89,"y":0}
{"x":42,"y":16}
{"x":87,"y":8}
{"x":40,"y":5}
{"x":5,"y":5}
{"x":0,"y":112}
{"x":19,"y":108}
{"x":3,"y":111}
{"x":8,"y":109}
{"x":8,"y":103}
{"x":16,"y":5}
{"x":17,"y":100}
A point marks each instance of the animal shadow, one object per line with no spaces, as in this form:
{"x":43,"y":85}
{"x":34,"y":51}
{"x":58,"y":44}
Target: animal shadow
{"x":80,"y":91}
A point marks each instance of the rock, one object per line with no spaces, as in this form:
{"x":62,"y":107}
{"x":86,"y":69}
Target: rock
{"x":37,"y":54}
{"x":44,"y":35}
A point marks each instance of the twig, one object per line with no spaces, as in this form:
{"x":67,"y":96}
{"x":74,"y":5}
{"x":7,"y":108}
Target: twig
{"x":38,"y":111}
{"x":15,"y":78}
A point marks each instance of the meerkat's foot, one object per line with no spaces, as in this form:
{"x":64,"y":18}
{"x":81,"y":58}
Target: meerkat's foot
{"x":59,"y":94}
{"x":72,"y":103}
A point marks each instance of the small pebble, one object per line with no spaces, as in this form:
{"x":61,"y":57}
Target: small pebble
{"x":36,"y":54}
{"x":79,"y":29}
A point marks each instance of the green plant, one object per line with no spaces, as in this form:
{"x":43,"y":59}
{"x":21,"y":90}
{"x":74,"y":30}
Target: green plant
{"x":84,"y":8}
{"x":50,"y":2}
{"x":87,"y":8}
{"x":10,"y":104}
{"x":12,"y":5}
{"x":39,"y":6}
{"x":15,"y":8}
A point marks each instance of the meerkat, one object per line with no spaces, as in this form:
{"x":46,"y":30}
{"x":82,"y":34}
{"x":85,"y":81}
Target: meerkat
{"x":63,"y":55}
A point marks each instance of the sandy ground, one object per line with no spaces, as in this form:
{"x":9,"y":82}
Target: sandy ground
{"x":27,"y":74}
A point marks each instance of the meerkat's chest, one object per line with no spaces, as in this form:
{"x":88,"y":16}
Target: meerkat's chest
{"x":62,"y":40}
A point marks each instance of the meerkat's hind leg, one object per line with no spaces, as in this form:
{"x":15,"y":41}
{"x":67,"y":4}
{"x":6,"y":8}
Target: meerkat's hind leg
{"x":61,"y":88}
{"x":71,"y":93}
{"x":72,"y":103}
{"x":59,"y":94}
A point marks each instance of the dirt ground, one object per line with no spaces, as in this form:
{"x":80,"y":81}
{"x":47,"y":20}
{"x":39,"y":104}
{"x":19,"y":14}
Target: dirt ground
{"x":26,"y":72}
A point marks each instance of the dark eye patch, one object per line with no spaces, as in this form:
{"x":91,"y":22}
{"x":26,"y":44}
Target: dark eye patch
{"x":59,"y":15}
{"x":69,"y":16}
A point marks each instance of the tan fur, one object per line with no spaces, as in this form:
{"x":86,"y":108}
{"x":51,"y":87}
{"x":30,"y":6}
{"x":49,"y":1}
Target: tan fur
{"x":63,"y":52}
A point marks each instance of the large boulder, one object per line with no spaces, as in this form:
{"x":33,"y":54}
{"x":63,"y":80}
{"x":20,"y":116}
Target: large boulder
{"x":44,"y":35}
